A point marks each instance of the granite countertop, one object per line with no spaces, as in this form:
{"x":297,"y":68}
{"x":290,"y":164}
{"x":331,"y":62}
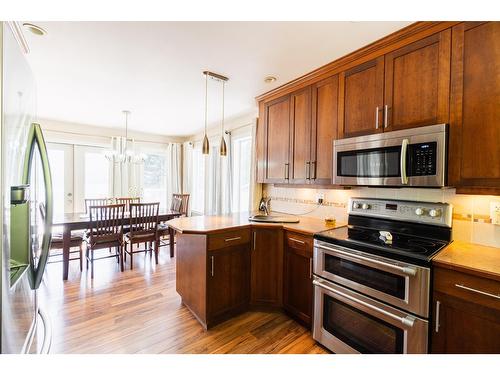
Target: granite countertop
{"x":470,"y":258}
{"x":214,"y":224}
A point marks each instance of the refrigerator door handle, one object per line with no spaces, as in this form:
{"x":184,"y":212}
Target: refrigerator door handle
{"x":35,"y":137}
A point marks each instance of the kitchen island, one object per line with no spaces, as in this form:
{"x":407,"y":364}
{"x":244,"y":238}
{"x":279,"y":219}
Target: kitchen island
{"x":228,"y":264}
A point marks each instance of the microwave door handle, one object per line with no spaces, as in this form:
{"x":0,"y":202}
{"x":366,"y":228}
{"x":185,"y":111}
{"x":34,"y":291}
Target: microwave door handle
{"x":35,"y":137}
{"x":404,"y":176}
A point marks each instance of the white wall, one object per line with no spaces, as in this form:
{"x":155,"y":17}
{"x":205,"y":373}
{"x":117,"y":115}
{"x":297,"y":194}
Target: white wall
{"x":471,"y":213}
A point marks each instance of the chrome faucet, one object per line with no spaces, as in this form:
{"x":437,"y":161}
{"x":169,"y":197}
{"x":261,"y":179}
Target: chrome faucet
{"x":264,"y":205}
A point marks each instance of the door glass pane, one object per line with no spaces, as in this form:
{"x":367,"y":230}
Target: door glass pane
{"x":377,"y":279}
{"x":198,"y":179}
{"x":56,"y":160}
{"x":241,"y":174}
{"x":96,"y":178}
{"x":360,"y":330}
{"x":155,"y":179}
{"x":379,"y":162}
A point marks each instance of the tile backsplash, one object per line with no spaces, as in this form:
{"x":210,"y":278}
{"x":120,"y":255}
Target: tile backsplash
{"x":471,"y":213}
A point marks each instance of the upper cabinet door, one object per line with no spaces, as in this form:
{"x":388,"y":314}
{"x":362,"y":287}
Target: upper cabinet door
{"x":362,"y":99}
{"x":417,"y":81}
{"x":324,"y":128}
{"x":474,"y":155}
{"x":300,"y":103}
{"x":277,"y":134}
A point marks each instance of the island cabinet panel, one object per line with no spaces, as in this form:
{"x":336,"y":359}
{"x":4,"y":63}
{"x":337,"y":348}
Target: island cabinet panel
{"x":297,"y":280}
{"x":474,"y":154}
{"x":362,"y":99}
{"x":324,"y":129}
{"x":228,"y":282}
{"x":466,"y":313}
{"x":277,"y":140}
{"x":301,"y":136}
{"x":266,"y":267}
{"x":417,"y":80}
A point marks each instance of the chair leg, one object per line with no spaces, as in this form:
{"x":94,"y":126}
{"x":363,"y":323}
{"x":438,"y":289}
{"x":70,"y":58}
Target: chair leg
{"x":120,"y":255}
{"x":92,"y":264}
{"x":81,"y":258}
{"x":157,"y":250}
{"x":131,"y":256}
{"x":87,"y":256}
{"x":117,"y":255}
{"x":125,"y":252}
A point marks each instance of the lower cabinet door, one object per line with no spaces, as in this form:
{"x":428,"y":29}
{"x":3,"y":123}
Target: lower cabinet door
{"x":228,"y":281}
{"x":298,"y":288}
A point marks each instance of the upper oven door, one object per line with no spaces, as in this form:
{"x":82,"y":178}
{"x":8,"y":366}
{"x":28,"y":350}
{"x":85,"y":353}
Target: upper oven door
{"x":413,"y":157}
{"x":401,"y":284}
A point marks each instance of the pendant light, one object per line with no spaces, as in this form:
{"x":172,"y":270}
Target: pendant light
{"x":206,"y":146}
{"x":223,"y":147}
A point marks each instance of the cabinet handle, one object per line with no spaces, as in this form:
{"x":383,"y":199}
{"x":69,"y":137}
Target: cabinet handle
{"x":313,"y":164}
{"x":497,"y":296}
{"x":308,"y":170}
{"x":386,"y":115}
{"x":376,"y":117}
{"x":212,"y":268}
{"x":438,"y":304}
{"x":254,"y":240}
{"x":232,"y":239}
{"x":310,"y":268}
{"x":296,"y":240}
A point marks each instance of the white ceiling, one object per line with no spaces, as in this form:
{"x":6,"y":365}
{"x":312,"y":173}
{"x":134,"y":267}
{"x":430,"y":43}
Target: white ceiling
{"x":88,"y":72}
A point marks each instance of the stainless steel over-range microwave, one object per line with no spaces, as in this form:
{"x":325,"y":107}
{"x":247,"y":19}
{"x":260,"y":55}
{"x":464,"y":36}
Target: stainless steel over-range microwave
{"x":412,"y":157}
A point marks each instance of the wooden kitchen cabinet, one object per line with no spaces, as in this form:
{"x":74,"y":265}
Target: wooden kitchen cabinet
{"x":266,"y":267}
{"x":474,"y":153}
{"x":465,"y":320}
{"x":228,"y":281}
{"x":417,"y":80}
{"x":324,"y":129}
{"x":361,"y":99}
{"x":297,"y":280}
{"x":277,"y":140}
{"x":300,"y":117}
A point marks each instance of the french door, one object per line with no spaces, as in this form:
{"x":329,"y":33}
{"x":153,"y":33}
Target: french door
{"x":78,"y":172}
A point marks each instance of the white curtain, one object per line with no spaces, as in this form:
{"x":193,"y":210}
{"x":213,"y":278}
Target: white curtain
{"x":227,"y":182}
{"x":173,"y":170}
{"x":187,"y":171}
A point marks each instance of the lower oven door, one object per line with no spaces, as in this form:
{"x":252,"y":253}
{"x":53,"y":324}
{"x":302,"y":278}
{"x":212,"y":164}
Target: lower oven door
{"x":397,"y":283}
{"x":348,"y":322}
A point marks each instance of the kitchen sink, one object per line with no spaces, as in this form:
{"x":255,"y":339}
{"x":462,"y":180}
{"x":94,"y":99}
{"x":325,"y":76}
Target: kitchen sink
{"x":274,"y":219}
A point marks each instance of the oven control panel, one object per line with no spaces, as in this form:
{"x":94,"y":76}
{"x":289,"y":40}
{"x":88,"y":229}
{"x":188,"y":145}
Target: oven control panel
{"x":421,"y":212}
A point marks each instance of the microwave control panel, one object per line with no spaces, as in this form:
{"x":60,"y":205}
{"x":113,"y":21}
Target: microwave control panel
{"x":422,"y":159}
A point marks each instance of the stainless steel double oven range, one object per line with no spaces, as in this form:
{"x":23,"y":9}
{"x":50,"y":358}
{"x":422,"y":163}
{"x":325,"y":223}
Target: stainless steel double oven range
{"x":372,"y":278}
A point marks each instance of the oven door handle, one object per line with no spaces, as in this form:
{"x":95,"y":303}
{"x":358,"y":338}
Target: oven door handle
{"x":406,"y":270}
{"x":404,"y":147}
{"x":406,"y":320}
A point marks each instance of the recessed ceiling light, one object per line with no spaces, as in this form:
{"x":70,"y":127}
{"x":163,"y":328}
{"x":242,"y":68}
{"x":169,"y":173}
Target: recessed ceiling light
{"x":37,"y":30}
{"x":270,"y":79}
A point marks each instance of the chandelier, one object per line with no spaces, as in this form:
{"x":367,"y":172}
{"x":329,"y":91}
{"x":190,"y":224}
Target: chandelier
{"x":123,"y":151}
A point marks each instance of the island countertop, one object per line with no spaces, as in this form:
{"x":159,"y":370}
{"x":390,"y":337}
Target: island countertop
{"x":214,"y":224}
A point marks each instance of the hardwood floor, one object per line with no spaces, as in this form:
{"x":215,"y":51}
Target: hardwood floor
{"x":139,"y":311}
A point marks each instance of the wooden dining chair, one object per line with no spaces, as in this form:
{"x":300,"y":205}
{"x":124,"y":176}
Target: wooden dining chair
{"x":143,"y":229}
{"x":96,"y":202}
{"x":127,"y":202}
{"x":106,"y":231}
{"x":179,"y":203}
{"x":56,"y":243}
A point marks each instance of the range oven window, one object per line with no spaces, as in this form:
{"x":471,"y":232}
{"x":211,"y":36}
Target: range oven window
{"x":382,"y":281}
{"x":360,"y":330}
{"x":375,"y":162}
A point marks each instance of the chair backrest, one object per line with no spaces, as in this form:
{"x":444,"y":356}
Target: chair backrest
{"x":96,"y":202}
{"x":143,"y":218}
{"x":127,"y":202}
{"x":180,"y":202}
{"x":106,"y":222}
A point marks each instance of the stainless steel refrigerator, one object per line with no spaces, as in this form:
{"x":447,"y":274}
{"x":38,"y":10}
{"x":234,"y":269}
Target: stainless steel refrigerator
{"x":25,"y":186}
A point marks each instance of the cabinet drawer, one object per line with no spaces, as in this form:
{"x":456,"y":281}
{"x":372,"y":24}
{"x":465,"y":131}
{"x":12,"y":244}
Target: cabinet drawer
{"x":229,"y":238}
{"x":482,"y":291}
{"x":300,"y":243}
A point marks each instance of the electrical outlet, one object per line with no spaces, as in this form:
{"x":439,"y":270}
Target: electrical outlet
{"x":495,"y":212}
{"x":320,"y":198}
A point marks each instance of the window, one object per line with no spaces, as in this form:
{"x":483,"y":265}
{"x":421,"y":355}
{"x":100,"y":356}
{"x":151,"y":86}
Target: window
{"x":242,"y":159}
{"x":198,"y":180}
{"x":96,"y":178}
{"x":155,"y":179}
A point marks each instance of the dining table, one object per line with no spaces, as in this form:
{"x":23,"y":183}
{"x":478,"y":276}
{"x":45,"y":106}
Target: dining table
{"x":80,"y":221}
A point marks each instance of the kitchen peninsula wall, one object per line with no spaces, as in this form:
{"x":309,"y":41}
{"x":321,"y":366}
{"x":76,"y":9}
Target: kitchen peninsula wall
{"x":471,"y":213}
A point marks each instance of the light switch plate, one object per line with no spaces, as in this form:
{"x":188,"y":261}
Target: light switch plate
{"x":495,"y":212}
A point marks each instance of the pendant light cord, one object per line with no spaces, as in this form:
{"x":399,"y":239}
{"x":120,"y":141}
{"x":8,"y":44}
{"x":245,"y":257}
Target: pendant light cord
{"x":206,"y":101}
{"x":223,"y":85}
